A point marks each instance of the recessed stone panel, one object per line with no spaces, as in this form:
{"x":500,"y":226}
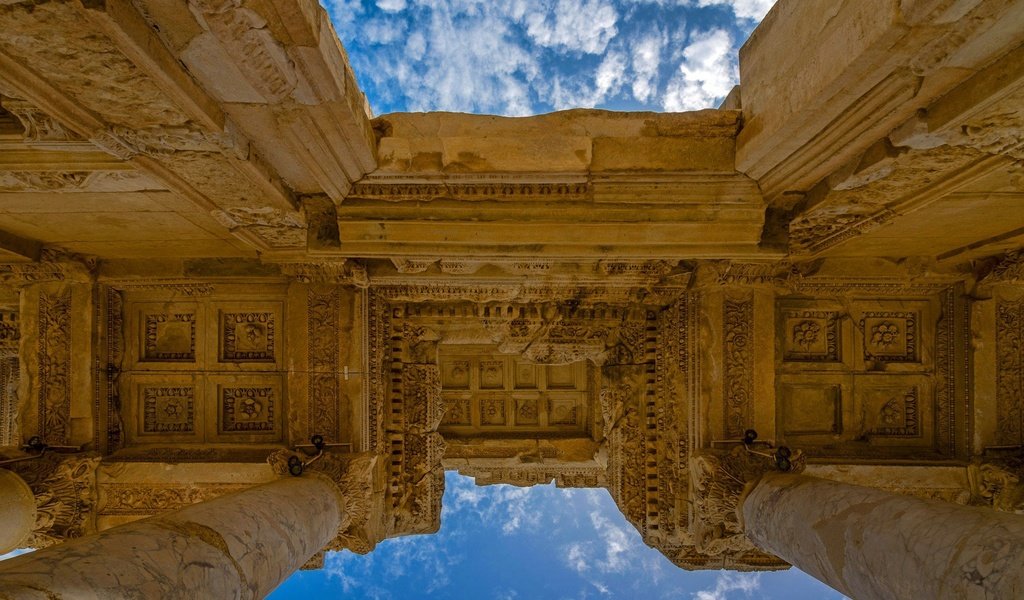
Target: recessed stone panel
{"x":564,"y":411}
{"x":455,"y":374}
{"x":562,"y":377}
{"x":525,"y":376}
{"x":492,"y":411}
{"x":492,"y":374}
{"x":168,"y":409}
{"x":247,"y":336}
{"x":812,"y":336}
{"x":811,"y":409}
{"x":248,"y":408}
{"x":891,"y":410}
{"x":890,"y":336}
{"x":527,"y":411}
{"x":169,"y":336}
{"x":458,"y":411}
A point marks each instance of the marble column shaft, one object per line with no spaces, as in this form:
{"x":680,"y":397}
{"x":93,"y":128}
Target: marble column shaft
{"x":17,"y":511}
{"x":240,"y":546}
{"x":872,"y":544}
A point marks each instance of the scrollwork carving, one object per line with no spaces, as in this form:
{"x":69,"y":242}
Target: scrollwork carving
{"x":54,"y":356}
{"x":738,"y":365}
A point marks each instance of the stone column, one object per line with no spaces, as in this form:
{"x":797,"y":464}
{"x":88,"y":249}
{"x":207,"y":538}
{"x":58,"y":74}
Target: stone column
{"x":868,"y":543}
{"x":17,"y":511}
{"x":240,"y":546}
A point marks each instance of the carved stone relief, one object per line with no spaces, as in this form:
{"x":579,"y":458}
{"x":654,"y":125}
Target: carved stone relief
{"x":65,"y":492}
{"x":322,"y":322}
{"x":54,"y":355}
{"x":859,"y":374}
{"x":1009,"y":369}
{"x":247,"y":337}
{"x":738,"y":366}
{"x":205,"y":369}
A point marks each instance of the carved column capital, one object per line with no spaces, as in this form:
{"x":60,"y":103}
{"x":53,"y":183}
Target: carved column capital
{"x":1000,"y":484}
{"x":64,"y":487}
{"x":720,"y":482}
{"x":354,"y":477}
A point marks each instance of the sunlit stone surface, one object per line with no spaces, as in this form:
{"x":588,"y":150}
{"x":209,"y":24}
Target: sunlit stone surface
{"x":211,"y":252}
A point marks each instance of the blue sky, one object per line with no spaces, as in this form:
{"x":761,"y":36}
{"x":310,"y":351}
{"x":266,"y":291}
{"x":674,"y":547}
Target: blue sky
{"x":502,"y":542}
{"x":519,"y":57}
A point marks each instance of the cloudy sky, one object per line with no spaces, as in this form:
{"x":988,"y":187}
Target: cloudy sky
{"x":520,"y":57}
{"x":502,"y":542}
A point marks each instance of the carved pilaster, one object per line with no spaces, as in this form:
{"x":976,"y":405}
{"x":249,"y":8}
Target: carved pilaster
{"x":323,"y":306}
{"x":1009,"y":369}
{"x":10,"y":334}
{"x":107,"y":401}
{"x":738,"y":364}
{"x":54,"y":362}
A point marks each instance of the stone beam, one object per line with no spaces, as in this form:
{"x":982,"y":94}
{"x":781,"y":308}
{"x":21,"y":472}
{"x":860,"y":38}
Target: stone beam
{"x":576,"y":185}
{"x":14,"y":248}
{"x":278,"y":71}
{"x":871,"y":65}
{"x":143,"y":108}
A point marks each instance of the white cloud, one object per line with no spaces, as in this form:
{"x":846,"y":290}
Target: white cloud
{"x":380,"y":31}
{"x":646,"y":59}
{"x":727,"y":582}
{"x":576,"y":556}
{"x":744,"y":9}
{"x":391,"y":5}
{"x":618,"y":545}
{"x":575,"y":25}
{"x":707,"y":73}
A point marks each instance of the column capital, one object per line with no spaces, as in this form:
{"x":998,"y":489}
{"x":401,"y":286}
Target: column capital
{"x":64,"y":487}
{"x":720,"y":482}
{"x":355,"y":478}
{"x":999,"y":484}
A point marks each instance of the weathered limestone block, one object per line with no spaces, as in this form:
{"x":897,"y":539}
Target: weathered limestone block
{"x":242,"y":545}
{"x":870,"y":544}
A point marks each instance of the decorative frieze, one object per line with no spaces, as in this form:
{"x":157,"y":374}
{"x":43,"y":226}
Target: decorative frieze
{"x":145,"y":499}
